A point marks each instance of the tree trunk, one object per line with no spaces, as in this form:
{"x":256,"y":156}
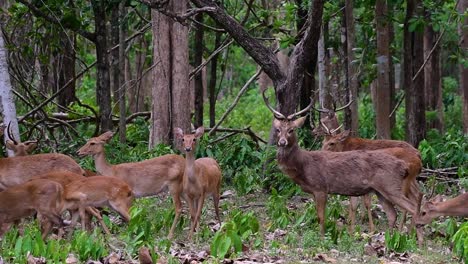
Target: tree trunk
{"x":122,"y":86}
{"x":325,"y":98}
{"x":114,"y":55}
{"x":213,"y":81}
{"x":160,"y":130}
{"x":6,"y":95}
{"x":353,"y":83}
{"x":414,"y":90}
{"x":432,"y":79}
{"x":391,"y":37}
{"x":463,"y":32}
{"x":383,"y":98}
{"x":67,"y":68}
{"x":198,"y":78}
{"x":103,"y":94}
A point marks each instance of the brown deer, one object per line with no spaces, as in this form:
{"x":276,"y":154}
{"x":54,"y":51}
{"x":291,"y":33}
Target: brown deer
{"x":148,"y":177}
{"x":17,"y":170}
{"x":65,"y":178}
{"x":20,"y":148}
{"x":202,"y":177}
{"x":352,"y":173}
{"x":42,"y":196}
{"x":436,"y":207}
{"x":400,"y":149}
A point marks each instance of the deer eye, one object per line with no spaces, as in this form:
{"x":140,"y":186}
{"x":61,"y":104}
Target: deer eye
{"x":277,"y":130}
{"x":183,"y":139}
{"x":423,"y":213}
{"x":194,"y":139}
{"x":290,"y":131}
{"x":92,"y":143}
{"x":332,"y":144}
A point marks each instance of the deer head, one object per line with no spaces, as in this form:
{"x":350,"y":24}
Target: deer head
{"x":335,"y":142}
{"x":19,"y":148}
{"x":95,"y":145}
{"x":189,"y":141}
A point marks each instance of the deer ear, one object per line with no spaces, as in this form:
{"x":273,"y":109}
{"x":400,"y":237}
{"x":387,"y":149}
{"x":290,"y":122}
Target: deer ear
{"x":30,"y":146}
{"x":437,"y":199}
{"x":300,"y":121}
{"x":344,"y":135}
{"x":106,"y":136}
{"x":199,"y":132}
{"x":10,"y":145}
{"x":178,"y":132}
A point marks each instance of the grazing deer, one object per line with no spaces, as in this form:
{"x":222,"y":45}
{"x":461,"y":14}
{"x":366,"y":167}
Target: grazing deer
{"x":42,"y":196}
{"x":436,"y":207}
{"x":65,"y":178}
{"x":202,"y":177}
{"x":400,"y":149}
{"x":17,"y":170}
{"x":97,"y":192}
{"x":19,"y":148}
{"x":148,"y":177}
{"x":352,"y":173}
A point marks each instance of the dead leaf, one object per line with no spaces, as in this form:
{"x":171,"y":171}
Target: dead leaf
{"x":71,"y":259}
{"x":113,"y":258}
{"x":33,"y":260}
{"x":144,"y":256}
{"x":324,"y":257}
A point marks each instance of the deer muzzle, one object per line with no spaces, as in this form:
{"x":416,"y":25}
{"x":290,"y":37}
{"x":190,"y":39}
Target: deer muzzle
{"x":282,"y":142}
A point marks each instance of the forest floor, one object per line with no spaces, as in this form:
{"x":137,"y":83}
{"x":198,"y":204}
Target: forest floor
{"x":284,"y":235}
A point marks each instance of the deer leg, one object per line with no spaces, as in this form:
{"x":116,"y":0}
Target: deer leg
{"x":178,"y":211}
{"x":367,"y":199}
{"x":191,"y":201}
{"x":216,"y":205}
{"x":95,"y":212}
{"x":353,"y":204}
{"x":320,"y":204}
{"x":199,"y":210}
{"x":82,"y":212}
{"x":388,"y":209}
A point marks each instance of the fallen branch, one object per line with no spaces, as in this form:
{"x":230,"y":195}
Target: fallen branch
{"x":246,"y":131}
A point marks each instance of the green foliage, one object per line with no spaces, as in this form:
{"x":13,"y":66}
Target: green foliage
{"x":278,"y":211}
{"x":234,"y":233}
{"x":460,"y":242}
{"x":400,"y":242}
{"x":88,"y":246}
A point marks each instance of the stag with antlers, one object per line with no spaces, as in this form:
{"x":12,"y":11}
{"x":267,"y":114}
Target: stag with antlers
{"x":351,"y":173}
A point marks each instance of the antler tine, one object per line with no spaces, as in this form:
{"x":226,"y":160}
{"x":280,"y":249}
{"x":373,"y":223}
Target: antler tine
{"x":343,"y":107}
{"x":9,"y":134}
{"x":336,"y":129}
{"x":321,"y":110}
{"x":326,"y":128}
{"x":277,"y":114}
{"x":302,"y":111}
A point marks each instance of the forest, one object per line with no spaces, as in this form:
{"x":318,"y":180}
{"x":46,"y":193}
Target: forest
{"x":234,"y":131}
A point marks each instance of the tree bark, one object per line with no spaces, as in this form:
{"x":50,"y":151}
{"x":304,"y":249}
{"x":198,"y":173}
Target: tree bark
{"x":383,"y":94}
{"x":353,"y":83}
{"x":114,"y":55}
{"x":122,"y":84}
{"x":198,"y":58}
{"x":213,"y":81}
{"x":67,"y":69}
{"x":463,"y":32}
{"x":413,"y":59}
{"x":6,"y":96}
{"x":325,"y":98}
{"x":103,"y":94}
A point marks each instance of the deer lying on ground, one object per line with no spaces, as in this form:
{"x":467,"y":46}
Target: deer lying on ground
{"x":148,"y":177}
{"x":352,"y":173}
{"x":42,"y":196}
{"x":17,"y":170}
{"x":65,"y":178}
{"x":400,"y":149}
{"x":436,"y":207}
{"x":19,"y":148}
{"x":202,"y":177}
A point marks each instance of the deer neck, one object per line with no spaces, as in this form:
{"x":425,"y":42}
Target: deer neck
{"x":190,"y":165}
{"x":288,"y":153}
{"x":102,"y":166}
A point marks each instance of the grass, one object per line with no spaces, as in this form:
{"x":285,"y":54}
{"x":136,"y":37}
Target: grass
{"x":293,"y":240}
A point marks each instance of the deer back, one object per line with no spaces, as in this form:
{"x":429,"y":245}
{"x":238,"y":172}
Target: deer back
{"x":62,"y":177}
{"x":16,"y":170}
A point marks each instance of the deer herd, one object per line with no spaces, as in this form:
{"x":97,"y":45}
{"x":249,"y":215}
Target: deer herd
{"x":48,"y":185}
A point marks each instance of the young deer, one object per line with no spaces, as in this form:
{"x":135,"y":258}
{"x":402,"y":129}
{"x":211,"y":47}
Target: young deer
{"x":41,"y":196}
{"x":148,"y":177}
{"x":400,"y":149}
{"x":17,"y":170}
{"x":65,"y":178}
{"x":97,"y":192}
{"x":353,"y":173}
{"x":202,"y":177}
{"x":436,"y":207}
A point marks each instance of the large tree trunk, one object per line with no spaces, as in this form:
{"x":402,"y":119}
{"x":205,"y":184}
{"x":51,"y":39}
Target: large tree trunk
{"x":463,"y":31}
{"x":122,"y":87}
{"x":353,"y":83}
{"x":198,"y":78}
{"x":383,"y":94}
{"x":414,"y":90}
{"x":213,"y":81}
{"x":160,"y":130}
{"x":325,"y":98}
{"x":432,"y":79}
{"x":103,"y":94}
{"x":67,"y":68}
{"x":6,"y":95}
{"x":114,"y":55}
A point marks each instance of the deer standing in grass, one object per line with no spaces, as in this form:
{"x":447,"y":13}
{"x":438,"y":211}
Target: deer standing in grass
{"x":352,"y":173}
{"x":400,"y":149}
{"x":42,"y":196}
{"x":436,"y":207}
{"x":146,"y":178}
{"x":202,"y":177}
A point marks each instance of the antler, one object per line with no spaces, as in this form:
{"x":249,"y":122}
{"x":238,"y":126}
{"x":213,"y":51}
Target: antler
{"x":326,"y":128}
{"x":290,"y":117}
{"x":277,"y":114}
{"x":9,"y":134}
{"x":336,"y":129}
{"x":347,"y":105}
{"x":326,"y":111}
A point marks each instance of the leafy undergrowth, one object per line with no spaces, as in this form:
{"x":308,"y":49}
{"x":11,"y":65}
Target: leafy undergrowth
{"x":256,"y":228}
